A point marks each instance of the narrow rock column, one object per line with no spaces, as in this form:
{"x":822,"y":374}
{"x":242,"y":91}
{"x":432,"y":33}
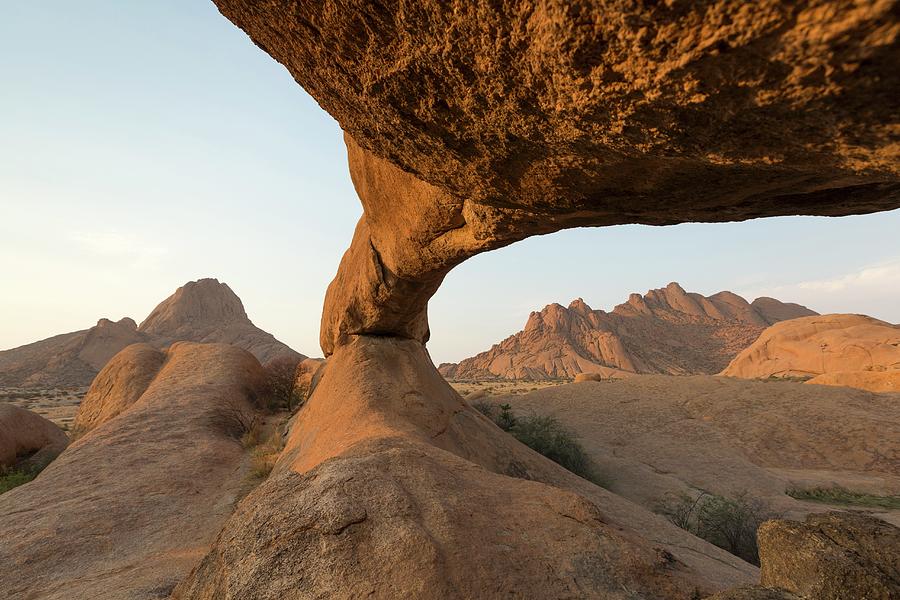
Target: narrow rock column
{"x":410,"y":236}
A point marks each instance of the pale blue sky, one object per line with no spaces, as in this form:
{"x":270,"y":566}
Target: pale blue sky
{"x":145,"y":144}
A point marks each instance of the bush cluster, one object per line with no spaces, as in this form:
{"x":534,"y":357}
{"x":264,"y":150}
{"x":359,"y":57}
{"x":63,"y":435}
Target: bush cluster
{"x":729,"y":523}
{"x":545,"y":435}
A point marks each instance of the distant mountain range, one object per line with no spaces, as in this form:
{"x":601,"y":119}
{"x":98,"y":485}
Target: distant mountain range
{"x":200,"y":311}
{"x":667,"y":331}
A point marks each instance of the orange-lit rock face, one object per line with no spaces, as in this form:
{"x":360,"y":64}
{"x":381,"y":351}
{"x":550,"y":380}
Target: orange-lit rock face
{"x":481,"y":123}
{"x":654,"y":112}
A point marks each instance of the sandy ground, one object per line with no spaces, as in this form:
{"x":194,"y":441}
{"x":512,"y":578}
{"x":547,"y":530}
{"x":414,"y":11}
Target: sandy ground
{"x":56,"y":404}
{"x":502,"y":387}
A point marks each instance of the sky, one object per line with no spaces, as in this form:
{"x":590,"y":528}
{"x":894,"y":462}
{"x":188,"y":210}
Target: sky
{"x":146,"y":144}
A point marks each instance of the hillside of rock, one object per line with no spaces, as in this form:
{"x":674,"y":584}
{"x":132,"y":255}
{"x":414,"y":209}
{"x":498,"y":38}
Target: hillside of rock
{"x":666,"y":331}
{"x":200,"y":311}
{"x":852,"y":350}
{"x":131,"y":506}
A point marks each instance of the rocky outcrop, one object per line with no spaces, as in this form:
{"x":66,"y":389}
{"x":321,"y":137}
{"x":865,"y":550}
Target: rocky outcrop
{"x":875,"y":381}
{"x":471,"y":126}
{"x":651,"y":113}
{"x":28,"y":438}
{"x":834,"y":556}
{"x":845,"y":349}
{"x":131,"y":506}
{"x":200,"y":311}
{"x":388,"y":477}
{"x":666,"y":330}
{"x":119,"y":385}
{"x":67,"y":360}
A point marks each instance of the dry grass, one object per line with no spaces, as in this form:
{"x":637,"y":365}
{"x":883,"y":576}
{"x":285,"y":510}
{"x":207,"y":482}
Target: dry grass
{"x":265,"y":443}
{"x":843,"y":497}
{"x":502,"y":387}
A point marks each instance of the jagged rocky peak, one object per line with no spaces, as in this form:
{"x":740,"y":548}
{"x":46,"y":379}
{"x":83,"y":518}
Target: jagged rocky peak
{"x":666,"y":330}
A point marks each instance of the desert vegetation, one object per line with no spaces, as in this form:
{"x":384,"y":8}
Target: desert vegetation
{"x":264,"y":445}
{"x":841,"y":496}
{"x":13,"y":477}
{"x":729,"y":523}
{"x":546,"y":435}
{"x":281,"y":392}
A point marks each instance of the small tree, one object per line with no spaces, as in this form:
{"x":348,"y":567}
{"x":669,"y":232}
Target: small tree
{"x":729,"y":523}
{"x":280,"y":380}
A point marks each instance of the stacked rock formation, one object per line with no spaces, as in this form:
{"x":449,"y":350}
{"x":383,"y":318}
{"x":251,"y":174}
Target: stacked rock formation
{"x":667,"y":331}
{"x":469,"y":126}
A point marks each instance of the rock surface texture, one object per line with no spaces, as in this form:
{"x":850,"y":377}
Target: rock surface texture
{"x":200,"y":311}
{"x":133,"y":504}
{"x":469,"y":126}
{"x":666,"y":331}
{"x":390,"y":486}
{"x":25,"y":435}
{"x":852,"y":350}
{"x":834,"y":556}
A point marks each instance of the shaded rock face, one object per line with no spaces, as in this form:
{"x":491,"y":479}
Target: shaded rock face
{"x":853,"y":350}
{"x":832,"y":557}
{"x":28,"y":437}
{"x":200,"y":311}
{"x":131,"y":506}
{"x":666,"y":331}
{"x":70,"y":359}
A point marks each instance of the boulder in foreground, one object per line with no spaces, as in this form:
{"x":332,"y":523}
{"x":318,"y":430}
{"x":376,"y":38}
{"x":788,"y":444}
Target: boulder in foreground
{"x":832,"y":556}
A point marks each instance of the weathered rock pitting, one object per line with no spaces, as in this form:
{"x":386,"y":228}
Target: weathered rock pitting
{"x":833,"y":556}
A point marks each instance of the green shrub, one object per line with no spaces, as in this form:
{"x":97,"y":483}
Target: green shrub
{"x":729,"y":523}
{"x":545,"y":435}
{"x":844,"y":497}
{"x":25,"y":470}
{"x":12,"y":478}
